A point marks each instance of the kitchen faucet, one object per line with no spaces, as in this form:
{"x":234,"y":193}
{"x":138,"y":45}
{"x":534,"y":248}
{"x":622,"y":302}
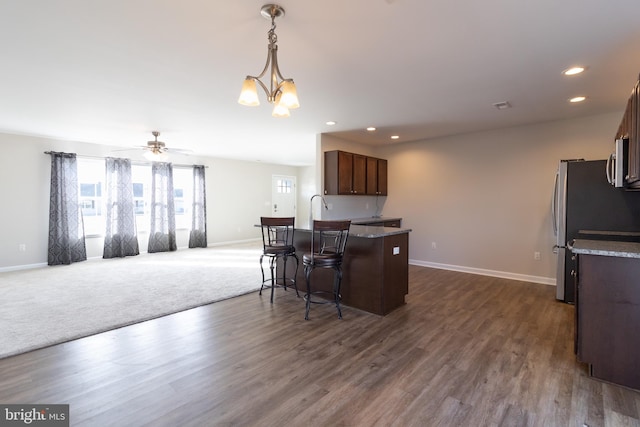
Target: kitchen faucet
{"x":311,"y":208}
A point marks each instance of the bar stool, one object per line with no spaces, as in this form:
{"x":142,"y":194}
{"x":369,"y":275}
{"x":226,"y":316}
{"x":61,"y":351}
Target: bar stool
{"x":277,"y":242}
{"x":328,"y":242}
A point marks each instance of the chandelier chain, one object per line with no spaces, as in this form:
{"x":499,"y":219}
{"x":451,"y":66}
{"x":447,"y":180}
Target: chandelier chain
{"x":272,"y":36}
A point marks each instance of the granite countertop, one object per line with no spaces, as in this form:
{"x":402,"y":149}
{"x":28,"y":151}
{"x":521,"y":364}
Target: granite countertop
{"x":606,"y":248}
{"x":369,"y":219}
{"x":369,"y":231}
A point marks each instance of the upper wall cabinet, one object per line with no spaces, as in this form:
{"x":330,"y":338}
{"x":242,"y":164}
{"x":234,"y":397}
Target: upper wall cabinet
{"x":354,"y":174}
{"x":630,"y":129}
{"x":376,"y":177}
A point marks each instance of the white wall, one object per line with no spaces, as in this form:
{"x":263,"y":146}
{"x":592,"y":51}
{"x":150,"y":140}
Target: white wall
{"x":484,"y":198}
{"x":238,"y":193}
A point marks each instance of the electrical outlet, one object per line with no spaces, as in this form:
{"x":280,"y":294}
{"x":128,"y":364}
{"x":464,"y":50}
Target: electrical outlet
{"x":536,"y":256}
{"x":22,"y":247}
{"x":433,"y":245}
{"x":396,"y":250}
{"x":329,"y":206}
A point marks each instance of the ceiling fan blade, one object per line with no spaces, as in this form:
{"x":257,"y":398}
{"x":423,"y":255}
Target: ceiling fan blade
{"x":125,"y":149}
{"x":179,"y":150}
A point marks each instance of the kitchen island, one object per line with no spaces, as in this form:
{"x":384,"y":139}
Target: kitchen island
{"x":375,"y":268}
{"x":608,"y":309}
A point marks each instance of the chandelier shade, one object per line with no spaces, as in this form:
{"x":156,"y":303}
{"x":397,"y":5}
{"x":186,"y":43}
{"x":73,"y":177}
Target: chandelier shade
{"x":281,"y":92}
{"x":249,"y":93}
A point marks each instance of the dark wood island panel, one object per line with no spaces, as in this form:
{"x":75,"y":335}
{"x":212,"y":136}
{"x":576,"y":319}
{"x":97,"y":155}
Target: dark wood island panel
{"x":375,"y":277}
{"x":608,"y":310}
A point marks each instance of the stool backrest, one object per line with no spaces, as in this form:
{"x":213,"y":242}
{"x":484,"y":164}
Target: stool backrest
{"x":329,"y":237}
{"x":277,"y":231}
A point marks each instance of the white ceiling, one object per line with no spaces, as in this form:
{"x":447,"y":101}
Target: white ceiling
{"x":111,"y":71}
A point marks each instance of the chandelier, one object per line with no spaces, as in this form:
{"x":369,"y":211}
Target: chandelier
{"x":281,"y":92}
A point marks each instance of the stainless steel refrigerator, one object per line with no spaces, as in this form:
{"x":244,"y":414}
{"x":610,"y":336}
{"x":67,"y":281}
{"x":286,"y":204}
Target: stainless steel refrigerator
{"x":586,"y":206}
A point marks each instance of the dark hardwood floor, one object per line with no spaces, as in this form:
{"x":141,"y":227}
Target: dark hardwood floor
{"x":465,"y":350}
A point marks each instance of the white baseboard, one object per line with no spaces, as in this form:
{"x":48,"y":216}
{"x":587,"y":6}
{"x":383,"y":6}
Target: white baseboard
{"x":235,"y":242}
{"x":483,"y":272}
{"x":22,"y":267}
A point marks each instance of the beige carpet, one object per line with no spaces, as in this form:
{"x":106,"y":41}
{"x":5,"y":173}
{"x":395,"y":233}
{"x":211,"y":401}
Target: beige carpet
{"x":50,"y":305}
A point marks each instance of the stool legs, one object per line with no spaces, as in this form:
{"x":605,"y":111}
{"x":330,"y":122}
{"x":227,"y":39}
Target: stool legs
{"x":307,"y":297}
{"x":272,"y":267}
{"x":337,"y":280}
{"x":336,"y":290}
{"x":272,"y":262}
{"x":295,"y":275}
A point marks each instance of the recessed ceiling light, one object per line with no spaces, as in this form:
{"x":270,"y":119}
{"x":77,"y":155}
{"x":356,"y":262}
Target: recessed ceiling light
{"x":371,"y":129}
{"x":577,"y":99}
{"x":573,"y":71}
{"x":331,"y":123}
{"x":395,"y":137}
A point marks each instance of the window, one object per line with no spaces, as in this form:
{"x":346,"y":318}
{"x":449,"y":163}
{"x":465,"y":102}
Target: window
{"x":138,"y":198}
{"x":284,"y":186}
{"x":90,"y":182}
{"x":141,"y":178}
{"x":91,"y":177}
{"x":183,"y":196}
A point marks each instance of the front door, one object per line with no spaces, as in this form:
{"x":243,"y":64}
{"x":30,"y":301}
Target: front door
{"x":283,"y":196}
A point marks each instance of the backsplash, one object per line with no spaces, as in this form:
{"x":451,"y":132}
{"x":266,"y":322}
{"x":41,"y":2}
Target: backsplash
{"x":343,"y":207}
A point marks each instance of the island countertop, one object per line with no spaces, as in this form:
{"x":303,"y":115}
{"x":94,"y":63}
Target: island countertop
{"x":374,"y":219}
{"x":370,"y":231}
{"x":606,"y":248}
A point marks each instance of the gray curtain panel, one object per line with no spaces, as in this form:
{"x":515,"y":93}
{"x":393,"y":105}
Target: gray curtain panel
{"x":162,"y":235}
{"x":198,"y":234}
{"x":120,"y":238}
{"x":66,"y":228}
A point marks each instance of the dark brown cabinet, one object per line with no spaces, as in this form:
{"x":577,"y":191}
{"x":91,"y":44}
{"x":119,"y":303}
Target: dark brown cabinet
{"x":376,"y":177}
{"x":630,"y":129}
{"x":354,"y":174}
{"x":345,"y":173}
{"x":607,"y":318}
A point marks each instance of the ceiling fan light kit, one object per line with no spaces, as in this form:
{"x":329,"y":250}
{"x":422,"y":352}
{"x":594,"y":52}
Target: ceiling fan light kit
{"x":281,"y":92}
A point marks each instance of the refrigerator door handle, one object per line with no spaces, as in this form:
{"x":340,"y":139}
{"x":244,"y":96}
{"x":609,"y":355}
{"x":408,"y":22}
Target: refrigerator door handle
{"x":554,"y":207}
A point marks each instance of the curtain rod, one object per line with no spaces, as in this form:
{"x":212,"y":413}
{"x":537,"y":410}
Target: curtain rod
{"x":133,"y":162}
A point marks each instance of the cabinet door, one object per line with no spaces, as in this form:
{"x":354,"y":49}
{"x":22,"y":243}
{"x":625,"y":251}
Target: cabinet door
{"x":359,"y":178}
{"x":372,"y":176}
{"x":634,"y":145}
{"x":345,"y":172}
{"x":376,"y":176}
{"x":382,"y":177}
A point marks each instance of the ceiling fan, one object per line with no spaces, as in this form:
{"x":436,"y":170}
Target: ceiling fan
{"x":157,"y":150}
